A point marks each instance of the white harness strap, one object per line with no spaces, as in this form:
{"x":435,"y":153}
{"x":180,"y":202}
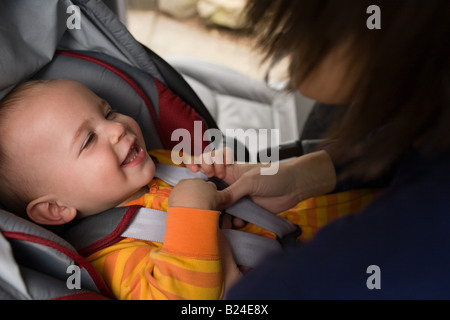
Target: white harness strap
{"x":248,"y":249}
{"x":147,"y":224}
{"x":244,"y":208}
{"x":173,"y":174}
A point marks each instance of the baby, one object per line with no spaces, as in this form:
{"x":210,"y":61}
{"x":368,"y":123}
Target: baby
{"x":65,"y":155}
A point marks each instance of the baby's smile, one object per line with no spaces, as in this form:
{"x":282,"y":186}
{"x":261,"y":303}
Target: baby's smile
{"x":134,"y":157}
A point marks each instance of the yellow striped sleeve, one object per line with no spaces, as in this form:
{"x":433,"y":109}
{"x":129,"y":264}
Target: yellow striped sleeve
{"x":138,"y":270}
{"x":188,"y":266}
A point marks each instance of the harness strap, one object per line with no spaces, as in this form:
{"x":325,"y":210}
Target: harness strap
{"x":147,"y":224}
{"x":248,"y":249}
{"x":244,"y":208}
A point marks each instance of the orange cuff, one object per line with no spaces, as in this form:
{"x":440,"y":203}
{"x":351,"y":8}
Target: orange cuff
{"x":192,"y":233}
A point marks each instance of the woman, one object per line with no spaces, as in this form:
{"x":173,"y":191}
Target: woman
{"x":397,"y":80}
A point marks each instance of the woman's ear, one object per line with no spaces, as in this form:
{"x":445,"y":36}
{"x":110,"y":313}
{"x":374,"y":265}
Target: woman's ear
{"x":47,"y":211}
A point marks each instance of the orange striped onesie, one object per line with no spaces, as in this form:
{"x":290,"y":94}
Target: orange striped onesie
{"x":187,"y":265}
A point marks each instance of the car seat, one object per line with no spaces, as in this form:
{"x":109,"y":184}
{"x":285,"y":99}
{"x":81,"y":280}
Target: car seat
{"x":38,"y":42}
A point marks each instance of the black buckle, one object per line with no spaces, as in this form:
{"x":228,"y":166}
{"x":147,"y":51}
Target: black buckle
{"x":219,"y":183}
{"x":290,"y":238}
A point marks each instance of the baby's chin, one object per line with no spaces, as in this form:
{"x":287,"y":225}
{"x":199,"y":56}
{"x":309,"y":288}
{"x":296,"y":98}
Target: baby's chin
{"x":142,"y":178}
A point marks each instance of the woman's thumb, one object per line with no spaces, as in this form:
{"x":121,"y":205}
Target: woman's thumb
{"x":233,"y":193}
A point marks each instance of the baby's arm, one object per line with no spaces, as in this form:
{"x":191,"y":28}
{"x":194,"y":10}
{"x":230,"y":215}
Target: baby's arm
{"x":195,"y":193}
{"x":186,"y":266}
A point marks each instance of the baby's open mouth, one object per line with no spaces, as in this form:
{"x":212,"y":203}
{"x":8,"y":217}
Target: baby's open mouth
{"x":132,"y":155}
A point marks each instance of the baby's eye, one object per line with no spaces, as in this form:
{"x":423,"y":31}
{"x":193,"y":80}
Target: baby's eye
{"x":91,"y":137}
{"x":110,"y":114}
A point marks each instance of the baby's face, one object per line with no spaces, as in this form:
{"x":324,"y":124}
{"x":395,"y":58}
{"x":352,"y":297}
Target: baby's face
{"x":77,"y":148}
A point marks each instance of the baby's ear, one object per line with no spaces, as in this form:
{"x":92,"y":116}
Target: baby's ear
{"x":45,"y":210}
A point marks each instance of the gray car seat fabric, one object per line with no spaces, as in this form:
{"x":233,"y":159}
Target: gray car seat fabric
{"x":32,"y":42}
{"x":34,"y":263}
{"x":237,"y":101}
{"x":33,"y":30}
{"x":11,"y":282}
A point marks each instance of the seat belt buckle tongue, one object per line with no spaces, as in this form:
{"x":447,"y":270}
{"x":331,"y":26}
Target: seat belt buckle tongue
{"x":290,"y":238}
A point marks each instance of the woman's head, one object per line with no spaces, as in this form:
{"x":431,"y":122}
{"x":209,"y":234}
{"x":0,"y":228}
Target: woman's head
{"x":396,"y":77}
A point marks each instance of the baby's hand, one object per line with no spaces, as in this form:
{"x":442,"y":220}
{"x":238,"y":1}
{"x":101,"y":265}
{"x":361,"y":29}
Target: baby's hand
{"x":212,"y":163}
{"x":197,"y":194}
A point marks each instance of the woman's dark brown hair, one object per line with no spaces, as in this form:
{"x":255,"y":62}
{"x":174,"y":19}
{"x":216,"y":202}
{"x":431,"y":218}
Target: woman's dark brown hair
{"x":402,"y":95}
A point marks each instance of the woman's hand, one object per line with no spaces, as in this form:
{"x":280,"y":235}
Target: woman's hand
{"x":296,"y":180}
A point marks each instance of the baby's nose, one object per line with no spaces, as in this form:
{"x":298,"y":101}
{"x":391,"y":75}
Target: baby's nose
{"x":116,"y":131}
